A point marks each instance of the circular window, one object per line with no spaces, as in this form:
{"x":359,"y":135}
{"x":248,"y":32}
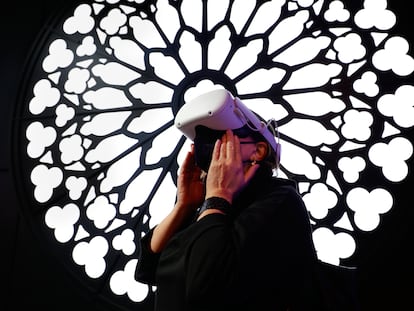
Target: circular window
{"x":96,"y":152}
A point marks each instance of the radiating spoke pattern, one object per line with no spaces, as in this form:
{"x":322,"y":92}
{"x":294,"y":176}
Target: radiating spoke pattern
{"x":99,"y":152}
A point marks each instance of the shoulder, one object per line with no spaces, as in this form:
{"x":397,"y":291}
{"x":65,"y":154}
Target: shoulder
{"x":270,"y":195}
{"x":281,"y":196}
{"x":284,"y":182}
{"x":280,"y":187}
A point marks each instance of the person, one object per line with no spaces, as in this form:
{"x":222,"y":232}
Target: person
{"x":238,"y":237}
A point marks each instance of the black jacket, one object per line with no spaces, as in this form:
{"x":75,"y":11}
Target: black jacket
{"x":259,"y":258}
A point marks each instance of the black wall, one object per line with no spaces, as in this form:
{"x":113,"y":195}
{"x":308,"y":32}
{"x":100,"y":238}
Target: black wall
{"x":31,"y":277}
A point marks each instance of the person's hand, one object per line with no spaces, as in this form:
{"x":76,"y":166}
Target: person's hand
{"x":226,"y":174}
{"x":190,"y":188}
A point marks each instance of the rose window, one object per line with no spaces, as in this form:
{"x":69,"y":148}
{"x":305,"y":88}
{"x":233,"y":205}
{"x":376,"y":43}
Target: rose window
{"x":98,"y":153}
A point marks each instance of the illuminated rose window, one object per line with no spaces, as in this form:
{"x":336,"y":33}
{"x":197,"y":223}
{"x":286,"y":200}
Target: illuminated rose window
{"x":99,"y":159}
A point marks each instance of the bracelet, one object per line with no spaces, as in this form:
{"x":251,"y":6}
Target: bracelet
{"x":215,"y":203}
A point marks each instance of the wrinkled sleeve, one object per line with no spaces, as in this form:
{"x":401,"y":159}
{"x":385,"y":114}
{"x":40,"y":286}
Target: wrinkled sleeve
{"x":270,"y":241}
{"x":213,"y":262}
{"x":148,"y":261}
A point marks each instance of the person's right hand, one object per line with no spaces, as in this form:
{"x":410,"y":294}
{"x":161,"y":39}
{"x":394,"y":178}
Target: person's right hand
{"x":190,"y":188}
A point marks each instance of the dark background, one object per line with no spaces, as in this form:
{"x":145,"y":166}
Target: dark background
{"x":32,"y":278}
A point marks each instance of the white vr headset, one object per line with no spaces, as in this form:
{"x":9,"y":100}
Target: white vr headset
{"x":219,"y":110}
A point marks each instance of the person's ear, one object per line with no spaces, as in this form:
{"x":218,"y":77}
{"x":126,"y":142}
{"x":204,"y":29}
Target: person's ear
{"x":261,"y":152}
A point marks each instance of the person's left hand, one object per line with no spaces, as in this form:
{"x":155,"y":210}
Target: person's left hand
{"x":226,"y":174}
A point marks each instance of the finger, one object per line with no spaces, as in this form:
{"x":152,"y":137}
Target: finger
{"x":216,"y":150}
{"x":186,"y":165}
{"x":230,"y":144}
{"x":224,"y":145}
{"x":237,"y":150}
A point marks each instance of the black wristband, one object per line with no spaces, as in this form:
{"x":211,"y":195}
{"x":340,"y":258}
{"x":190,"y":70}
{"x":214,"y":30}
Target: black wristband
{"x":215,"y":203}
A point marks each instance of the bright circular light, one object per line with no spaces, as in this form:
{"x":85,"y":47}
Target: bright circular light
{"x":101,"y":153}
